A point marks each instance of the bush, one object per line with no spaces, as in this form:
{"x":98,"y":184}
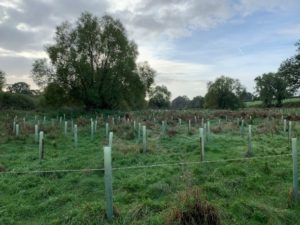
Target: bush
{"x":16,"y":101}
{"x":193,"y":210}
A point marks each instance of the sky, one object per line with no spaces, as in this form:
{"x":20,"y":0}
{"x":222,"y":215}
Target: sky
{"x":187,"y":42}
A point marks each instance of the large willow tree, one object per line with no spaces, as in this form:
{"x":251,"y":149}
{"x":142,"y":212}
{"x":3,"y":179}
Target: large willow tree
{"x":94,"y":63}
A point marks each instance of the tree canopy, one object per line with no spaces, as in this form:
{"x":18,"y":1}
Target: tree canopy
{"x":2,"y":80}
{"x":94,"y":63}
{"x":180,"y":102}
{"x":289,"y":70}
{"x":197,"y":102}
{"x":272,"y":86}
{"x":20,"y":88}
{"x":224,"y":93}
{"x":159,"y":97}
{"x":147,"y":75}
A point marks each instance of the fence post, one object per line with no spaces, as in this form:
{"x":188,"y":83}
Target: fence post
{"x":205,"y":133}
{"x":144,"y":139}
{"x":75,"y":136}
{"x":66,"y":127}
{"x":14,"y":125}
{"x":106,"y":130}
{"x":139,"y":132}
{"x":290,"y":131}
{"x":208,"y":128}
{"x":108,"y":182}
{"x":41,"y":145}
{"x":284,"y":126}
{"x":95,"y":126}
{"x":36,"y":133}
{"x":202,"y":143}
{"x":134,"y":126}
{"x":92,"y":128}
{"x":295,"y":169}
{"x":250,"y":149}
{"x":17,"y":130}
{"x":110,"y":139}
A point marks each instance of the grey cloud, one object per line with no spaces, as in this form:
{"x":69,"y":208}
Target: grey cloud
{"x":149,"y":21}
{"x":175,"y":18}
{"x":43,"y":15}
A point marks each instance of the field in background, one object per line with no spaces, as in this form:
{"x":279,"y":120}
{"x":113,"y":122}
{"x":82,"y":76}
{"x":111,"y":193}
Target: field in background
{"x":291,"y":102}
{"x":147,"y":186}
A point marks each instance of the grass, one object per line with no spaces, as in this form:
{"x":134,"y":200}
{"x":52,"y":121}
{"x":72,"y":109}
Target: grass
{"x":290,"y":102}
{"x":254,"y":191}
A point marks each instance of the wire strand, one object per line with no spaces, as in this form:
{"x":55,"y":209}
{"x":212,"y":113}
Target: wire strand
{"x":146,"y":166}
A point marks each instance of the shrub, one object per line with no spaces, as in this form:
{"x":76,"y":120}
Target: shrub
{"x":16,"y":101}
{"x":193,"y":210}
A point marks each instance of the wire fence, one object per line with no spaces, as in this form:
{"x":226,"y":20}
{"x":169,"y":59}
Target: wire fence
{"x":146,"y":166}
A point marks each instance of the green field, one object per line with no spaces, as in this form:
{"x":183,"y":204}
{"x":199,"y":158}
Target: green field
{"x":148,"y":188}
{"x":291,"y":102}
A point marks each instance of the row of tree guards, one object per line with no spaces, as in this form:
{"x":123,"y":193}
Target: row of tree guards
{"x":108,"y":171}
{"x":204,"y":133}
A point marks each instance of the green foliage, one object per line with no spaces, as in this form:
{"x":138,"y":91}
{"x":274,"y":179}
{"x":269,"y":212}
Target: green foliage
{"x":2,"y":80}
{"x":224,"y":93}
{"x":41,"y":73}
{"x":20,"y":88}
{"x":159,"y":97}
{"x":16,"y":101}
{"x":271,"y":86}
{"x":197,"y":102}
{"x":95,"y":63}
{"x":147,"y":75}
{"x":54,"y":95}
{"x":289,"y":70}
{"x":181,"y":102}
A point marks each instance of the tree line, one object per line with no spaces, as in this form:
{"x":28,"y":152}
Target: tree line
{"x":92,"y":64}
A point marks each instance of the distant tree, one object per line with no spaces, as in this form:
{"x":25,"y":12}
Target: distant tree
{"x":272,"y":86}
{"x":196,"y":102}
{"x":181,"y":102}
{"x":289,"y":70}
{"x":159,"y":97}
{"x":224,"y":93}
{"x":94,"y":62}
{"x":146,"y":74}
{"x":20,"y":88}
{"x":2,"y":80}
{"x":247,"y":96}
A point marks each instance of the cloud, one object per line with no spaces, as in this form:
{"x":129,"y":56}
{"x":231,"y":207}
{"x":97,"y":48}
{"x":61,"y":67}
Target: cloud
{"x":160,"y":28}
{"x":174,"y":18}
{"x":247,"y":7}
